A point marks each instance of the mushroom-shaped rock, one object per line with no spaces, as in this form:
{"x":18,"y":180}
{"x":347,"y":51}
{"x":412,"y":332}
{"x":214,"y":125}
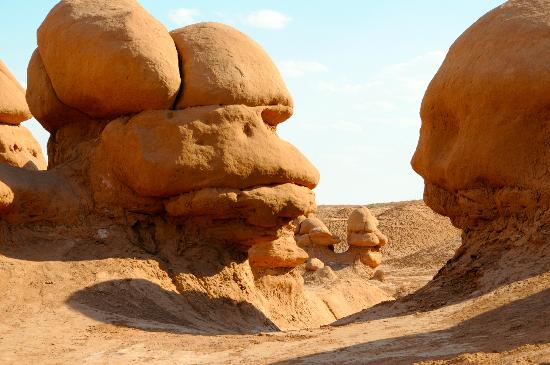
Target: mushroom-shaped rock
{"x":13,"y":107}
{"x":485,"y":115}
{"x":175,"y":152}
{"x":108,"y":58}
{"x":312,"y":231}
{"x":18,"y":148}
{"x":363,"y":229}
{"x":221,"y":65}
{"x":43,"y":101}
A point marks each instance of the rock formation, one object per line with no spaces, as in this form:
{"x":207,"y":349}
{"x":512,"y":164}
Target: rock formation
{"x":167,"y":143}
{"x":18,"y":147}
{"x":484,"y":139}
{"x":364,"y":236}
{"x":312,"y":231}
{"x":193,"y":173}
{"x":104,"y":81}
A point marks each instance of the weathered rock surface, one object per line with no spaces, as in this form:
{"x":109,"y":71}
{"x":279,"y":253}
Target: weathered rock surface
{"x":13,"y":107}
{"x":363,"y":229}
{"x":107,"y":59}
{"x":175,"y":152}
{"x":312,"y":231}
{"x":258,"y":206}
{"x":282,"y":252}
{"x":224,"y":66}
{"x":43,"y":101}
{"x":484,"y":115}
{"x":19,"y":148}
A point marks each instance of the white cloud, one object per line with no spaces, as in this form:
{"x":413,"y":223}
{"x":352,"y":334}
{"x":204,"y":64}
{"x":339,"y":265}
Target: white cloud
{"x":183,"y":16}
{"x":390,"y":95}
{"x":270,"y":19}
{"x":293,"y":68}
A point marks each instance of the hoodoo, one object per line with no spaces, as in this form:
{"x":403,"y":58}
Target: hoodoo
{"x":483,"y":145}
{"x":167,"y":141}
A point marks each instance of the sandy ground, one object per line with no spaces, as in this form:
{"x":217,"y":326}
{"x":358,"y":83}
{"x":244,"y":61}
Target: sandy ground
{"x":63,"y":305}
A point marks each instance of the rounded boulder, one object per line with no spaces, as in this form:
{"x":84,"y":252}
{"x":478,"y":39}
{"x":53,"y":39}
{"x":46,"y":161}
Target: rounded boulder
{"x":108,"y":58}
{"x":13,"y":107}
{"x":222,"y":66}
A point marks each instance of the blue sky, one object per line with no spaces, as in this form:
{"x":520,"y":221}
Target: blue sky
{"x":357,"y":71}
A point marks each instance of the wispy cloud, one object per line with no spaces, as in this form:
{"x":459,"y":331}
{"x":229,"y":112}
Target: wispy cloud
{"x":183,"y":16}
{"x":392,"y":94}
{"x":295,"y":68}
{"x":269,"y":19}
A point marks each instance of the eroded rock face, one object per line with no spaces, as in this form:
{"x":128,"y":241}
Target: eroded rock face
{"x":106,"y":59}
{"x":104,"y":81}
{"x":364,"y":237}
{"x":483,"y":150}
{"x":175,"y":152}
{"x":362,"y":230}
{"x":484,"y":138}
{"x":19,"y":148}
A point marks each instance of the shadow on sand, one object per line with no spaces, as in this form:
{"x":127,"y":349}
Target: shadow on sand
{"x":144,"y":305}
{"x":525,"y":321}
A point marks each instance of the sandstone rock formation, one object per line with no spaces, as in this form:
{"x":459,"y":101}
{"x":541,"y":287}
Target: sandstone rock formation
{"x":221,"y":65}
{"x":129,"y":62}
{"x":19,"y":148}
{"x":194,"y":177}
{"x":363,"y":229}
{"x":104,"y":80}
{"x":483,"y":149}
{"x":363,"y":235}
{"x":13,"y":108}
{"x":17,"y":145}
{"x":312,"y":231}
{"x":484,"y":136}
{"x":43,"y":101}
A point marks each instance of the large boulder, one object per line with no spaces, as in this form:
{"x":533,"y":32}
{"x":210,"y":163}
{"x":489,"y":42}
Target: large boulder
{"x":18,"y":148}
{"x":108,"y":58}
{"x":175,"y":152}
{"x":222,"y":66}
{"x":43,"y":101}
{"x":485,"y":117}
{"x":13,"y":107}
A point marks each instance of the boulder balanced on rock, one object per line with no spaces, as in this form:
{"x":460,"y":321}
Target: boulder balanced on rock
{"x":131,"y":142}
{"x":363,"y":233}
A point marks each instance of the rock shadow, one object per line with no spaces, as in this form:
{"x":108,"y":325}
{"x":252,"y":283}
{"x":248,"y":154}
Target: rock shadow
{"x":463,"y":278}
{"x":522,"y":322}
{"x":144,"y":305}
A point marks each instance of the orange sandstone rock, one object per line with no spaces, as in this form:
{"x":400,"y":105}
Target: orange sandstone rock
{"x":221,"y":65}
{"x":108,"y":58}
{"x":13,"y":107}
